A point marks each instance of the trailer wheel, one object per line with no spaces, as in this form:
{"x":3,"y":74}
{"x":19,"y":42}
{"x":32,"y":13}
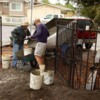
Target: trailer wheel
{"x":33,"y":63}
{"x":88,"y":45}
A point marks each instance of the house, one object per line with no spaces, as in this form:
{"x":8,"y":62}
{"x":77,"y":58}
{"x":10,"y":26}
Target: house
{"x":13,"y":11}
{"x":41,"y":10}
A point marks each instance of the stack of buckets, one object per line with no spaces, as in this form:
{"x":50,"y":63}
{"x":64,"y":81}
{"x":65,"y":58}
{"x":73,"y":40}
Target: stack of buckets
{"x":5,"y":62}
{"x":37,"y":77}
{"x":27,"y":51}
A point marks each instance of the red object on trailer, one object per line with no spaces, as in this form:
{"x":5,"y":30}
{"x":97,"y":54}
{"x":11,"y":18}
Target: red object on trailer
{"x":85,"y":25}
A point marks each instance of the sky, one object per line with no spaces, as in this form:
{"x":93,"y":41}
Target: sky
{"x":62,"y":2}
{"x":55,"y":1}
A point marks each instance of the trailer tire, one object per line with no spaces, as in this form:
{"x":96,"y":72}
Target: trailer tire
{"x":88,"y":45}
{"x":33,"y":63}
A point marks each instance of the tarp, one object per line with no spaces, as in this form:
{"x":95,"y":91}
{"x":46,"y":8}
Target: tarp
{"x":52,"y":24}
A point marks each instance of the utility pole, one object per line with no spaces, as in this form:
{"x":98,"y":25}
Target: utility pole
{"x":31,"y":10}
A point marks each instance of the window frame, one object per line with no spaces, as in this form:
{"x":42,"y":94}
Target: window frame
{"x":5,"y":4}
{"x":21,"y":4}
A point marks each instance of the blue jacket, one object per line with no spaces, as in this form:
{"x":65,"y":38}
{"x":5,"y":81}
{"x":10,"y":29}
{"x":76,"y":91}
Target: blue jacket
{"x":19,"y":34}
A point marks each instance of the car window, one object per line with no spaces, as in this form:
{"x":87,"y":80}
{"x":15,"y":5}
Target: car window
{"x":50,"y":16}
{"x":83,"y":23}
{"x":61,"y":16}
{"x":55,"y":16}
{"x":89,"y":23}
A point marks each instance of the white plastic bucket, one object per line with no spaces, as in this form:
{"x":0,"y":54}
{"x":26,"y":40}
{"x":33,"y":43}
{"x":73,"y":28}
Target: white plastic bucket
{"x":27,"y":51}
{"x":35,"y":80}
{"x":5,"y":62}
{"x":48,"y":78}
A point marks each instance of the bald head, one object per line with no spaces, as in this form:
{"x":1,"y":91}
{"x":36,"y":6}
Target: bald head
{"x":37,"y":21}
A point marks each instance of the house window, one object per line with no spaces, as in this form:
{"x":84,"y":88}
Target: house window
{"x":6,"y":4}
{"x":16,"y":6}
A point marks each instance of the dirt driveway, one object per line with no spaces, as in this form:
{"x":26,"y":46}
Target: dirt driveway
{"x":14,"y":85}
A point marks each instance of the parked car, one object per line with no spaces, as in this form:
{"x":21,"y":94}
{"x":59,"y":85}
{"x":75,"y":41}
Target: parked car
{"x":83,"y":23}
{"x":49,"y":17}
{"x":89,"y":37}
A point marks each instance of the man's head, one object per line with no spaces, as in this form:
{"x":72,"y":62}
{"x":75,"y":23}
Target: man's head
{"x":37,"y":21}
{"x":25,"y":24}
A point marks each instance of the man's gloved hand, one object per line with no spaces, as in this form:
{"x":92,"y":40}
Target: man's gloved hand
{"x":28,"y":38}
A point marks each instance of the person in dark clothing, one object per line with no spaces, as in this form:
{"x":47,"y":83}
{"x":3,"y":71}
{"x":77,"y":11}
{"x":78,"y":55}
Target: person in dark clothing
{"x":19,"y":34}
{"x":41,"y":34}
